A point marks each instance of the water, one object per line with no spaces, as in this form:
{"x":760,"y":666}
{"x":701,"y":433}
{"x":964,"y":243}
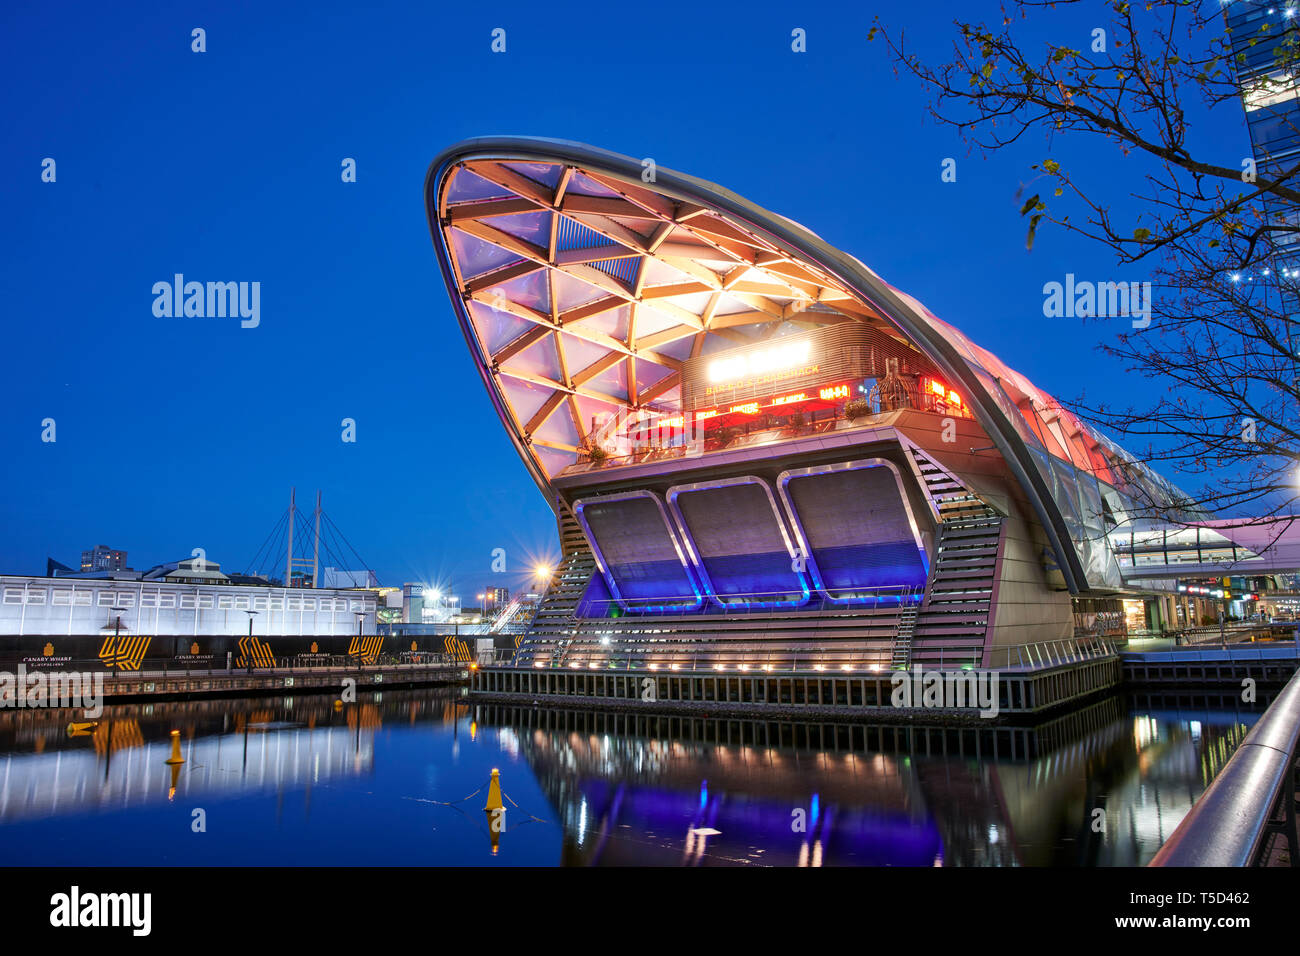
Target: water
{"x":384,"y":781}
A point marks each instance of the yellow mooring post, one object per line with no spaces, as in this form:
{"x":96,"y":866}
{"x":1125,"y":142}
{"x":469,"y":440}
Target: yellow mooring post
{"x":495,"y":811}
{"x":176,"y":749}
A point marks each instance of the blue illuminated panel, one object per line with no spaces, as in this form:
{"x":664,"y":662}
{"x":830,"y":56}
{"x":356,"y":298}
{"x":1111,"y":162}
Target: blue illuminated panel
{"x":853,"y":522}
{"x":637,"y":552}
{"x":738,"y":541}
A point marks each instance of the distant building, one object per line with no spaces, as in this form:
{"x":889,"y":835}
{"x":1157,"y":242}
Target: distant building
{"x":334,"y":578}
{"x":1262,"y":34}
{"x":57,"y":568}
{"x":389,"y":606}
{"x":494,"y":599}
{"x":103,"y":558}
{"x":188,"y":571}
{"x":412,"y":603}
{"x":163,"y":606}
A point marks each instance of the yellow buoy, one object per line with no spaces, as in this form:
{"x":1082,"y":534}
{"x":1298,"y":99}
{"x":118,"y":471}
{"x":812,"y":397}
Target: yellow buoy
{"x":338,"y":705}
{"x":82,"y":728}
{"x":495,"y":811}
{"x":176,"y":749}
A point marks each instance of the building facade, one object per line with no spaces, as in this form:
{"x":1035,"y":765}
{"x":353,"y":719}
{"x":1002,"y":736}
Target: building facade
{"x":103,"y":558}
{"x":759,"y":453}
{"x":37,"y":606}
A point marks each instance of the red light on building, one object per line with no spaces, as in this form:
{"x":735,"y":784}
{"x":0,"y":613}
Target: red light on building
{"x":944,"y":394}
{"x":789,"y":399}
{"x":832,"y":392}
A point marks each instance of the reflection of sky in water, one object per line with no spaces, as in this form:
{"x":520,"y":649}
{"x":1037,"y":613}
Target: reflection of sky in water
{"x":298,"y":782}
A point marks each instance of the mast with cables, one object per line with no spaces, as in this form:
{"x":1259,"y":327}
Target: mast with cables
{"x":327,"y":541}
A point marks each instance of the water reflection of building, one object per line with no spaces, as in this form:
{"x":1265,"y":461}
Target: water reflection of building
{"x":731,"y":792}
{"x":727,"y":792}
{"x":119,"y":761}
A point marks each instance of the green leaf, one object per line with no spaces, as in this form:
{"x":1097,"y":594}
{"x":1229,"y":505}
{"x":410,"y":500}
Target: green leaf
{"x":1030,"y":203}
{"x":1141,"y":235}
{"x":1033,"y":229}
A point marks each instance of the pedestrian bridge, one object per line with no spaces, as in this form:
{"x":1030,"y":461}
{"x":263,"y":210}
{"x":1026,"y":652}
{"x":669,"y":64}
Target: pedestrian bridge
{"x":1210,"y":548}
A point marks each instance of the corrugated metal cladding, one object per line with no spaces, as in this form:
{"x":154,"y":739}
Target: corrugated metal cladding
{"x":837,"y":353}
{"x":640,"y":554}
{"x":736,"y":535}
{"x":858,"y":529}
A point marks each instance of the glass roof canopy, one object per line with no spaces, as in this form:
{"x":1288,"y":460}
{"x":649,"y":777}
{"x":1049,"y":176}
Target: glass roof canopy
{"x":582,"y":288}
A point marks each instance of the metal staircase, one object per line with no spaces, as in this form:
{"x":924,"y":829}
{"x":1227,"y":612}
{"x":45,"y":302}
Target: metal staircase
{"x":903,"y":642}
{"x":952,"y":622}
{"x":552,"y":626}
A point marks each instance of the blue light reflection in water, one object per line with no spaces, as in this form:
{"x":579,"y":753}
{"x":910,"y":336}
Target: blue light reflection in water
{"x":400,"y":779}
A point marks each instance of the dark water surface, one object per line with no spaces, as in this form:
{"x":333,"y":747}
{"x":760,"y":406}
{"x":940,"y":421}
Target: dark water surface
{"x":295,"y":781}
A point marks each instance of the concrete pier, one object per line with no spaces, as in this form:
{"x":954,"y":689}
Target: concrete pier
{"x":867,"y":695}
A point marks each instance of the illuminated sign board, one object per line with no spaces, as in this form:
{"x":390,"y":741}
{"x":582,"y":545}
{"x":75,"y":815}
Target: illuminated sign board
{"x":790,"y":399}
{"x":805,"y":362}
{"x":734,"y":369}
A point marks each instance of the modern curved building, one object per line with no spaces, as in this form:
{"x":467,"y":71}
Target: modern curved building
{"x":758,"y":451}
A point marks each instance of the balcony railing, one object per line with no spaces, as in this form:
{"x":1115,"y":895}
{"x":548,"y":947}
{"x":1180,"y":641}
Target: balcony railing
{"x":768,"y":429}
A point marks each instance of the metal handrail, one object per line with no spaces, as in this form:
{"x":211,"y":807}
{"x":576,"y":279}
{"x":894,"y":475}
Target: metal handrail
{"x":1036,"y":654}
{"x":1252,"y":799}
{"x":757,"y":603}
{"x":593,"y":657}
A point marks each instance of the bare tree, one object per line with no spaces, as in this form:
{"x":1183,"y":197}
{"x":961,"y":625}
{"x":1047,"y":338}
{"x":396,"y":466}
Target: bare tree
{"x":1211,"y":229}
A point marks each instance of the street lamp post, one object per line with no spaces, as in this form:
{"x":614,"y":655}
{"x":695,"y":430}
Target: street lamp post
{"x":361,"y":617}
{"x":248,"y":656}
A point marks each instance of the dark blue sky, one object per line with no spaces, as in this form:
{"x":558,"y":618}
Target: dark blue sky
{"x":177,"y":433}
